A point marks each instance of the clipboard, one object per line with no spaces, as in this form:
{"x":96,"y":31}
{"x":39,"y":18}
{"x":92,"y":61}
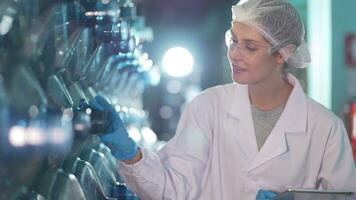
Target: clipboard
{"x":311,"y":194}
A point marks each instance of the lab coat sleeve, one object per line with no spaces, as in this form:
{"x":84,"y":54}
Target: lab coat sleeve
{"x":176,"y":171}
{"x":338,"y":170}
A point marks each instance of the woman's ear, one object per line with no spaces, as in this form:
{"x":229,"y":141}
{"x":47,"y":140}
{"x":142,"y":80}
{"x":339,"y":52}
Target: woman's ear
{"x":283,"y":54}
{"x":279,"y":58}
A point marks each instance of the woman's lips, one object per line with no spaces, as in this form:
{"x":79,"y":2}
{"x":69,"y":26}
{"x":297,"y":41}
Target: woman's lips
{"x":237,"y":69}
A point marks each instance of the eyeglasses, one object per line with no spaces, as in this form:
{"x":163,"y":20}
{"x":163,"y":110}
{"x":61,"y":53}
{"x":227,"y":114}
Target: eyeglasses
{"x":245,"y":48}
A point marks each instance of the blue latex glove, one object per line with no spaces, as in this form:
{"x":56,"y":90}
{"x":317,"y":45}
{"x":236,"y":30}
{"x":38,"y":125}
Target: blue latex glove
{"x":265,"y":195}
{"x":116,"y":137}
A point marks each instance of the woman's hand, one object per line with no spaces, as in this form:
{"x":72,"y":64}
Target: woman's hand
{"x":265,"y":195}
{"x":116,"y":136}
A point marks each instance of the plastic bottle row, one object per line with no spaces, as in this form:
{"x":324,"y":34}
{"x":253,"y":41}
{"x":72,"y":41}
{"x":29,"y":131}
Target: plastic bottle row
{"x":55,"y":57}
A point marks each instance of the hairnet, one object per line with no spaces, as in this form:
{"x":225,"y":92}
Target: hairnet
{"x":279,"y":22}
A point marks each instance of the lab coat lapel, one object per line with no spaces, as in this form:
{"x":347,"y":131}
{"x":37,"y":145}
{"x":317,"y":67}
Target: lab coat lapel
{"x":241,"y":124}
{"x":292,"y":120}
{"x":274,"y":146}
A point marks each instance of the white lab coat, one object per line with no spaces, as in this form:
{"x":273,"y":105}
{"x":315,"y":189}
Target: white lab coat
{"x":214,"y":152}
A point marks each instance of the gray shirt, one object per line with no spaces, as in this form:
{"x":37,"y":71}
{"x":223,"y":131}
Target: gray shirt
{"x":263,"y":122}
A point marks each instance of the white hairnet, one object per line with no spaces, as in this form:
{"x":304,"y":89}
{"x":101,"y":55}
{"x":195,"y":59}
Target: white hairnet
{"x":279,"y":22}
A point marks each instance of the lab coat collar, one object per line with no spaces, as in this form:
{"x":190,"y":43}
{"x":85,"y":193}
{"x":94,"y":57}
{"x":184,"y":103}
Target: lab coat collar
{"x":292,"y":120}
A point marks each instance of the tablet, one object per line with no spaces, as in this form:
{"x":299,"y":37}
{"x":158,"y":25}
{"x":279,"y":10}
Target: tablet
{"x":310,"y":194}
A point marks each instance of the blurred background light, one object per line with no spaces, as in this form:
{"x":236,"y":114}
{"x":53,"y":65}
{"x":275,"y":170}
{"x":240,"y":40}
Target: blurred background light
{"x":155,"y":76}
{"x":178,"y":62}
{"x":174,"y":86}
{"x":88,"y":111}
{"x":134,"y":133}
{"x":67,"y":115}
{"x":166,"y":112}
{"x":35,"y":136}
{"x":33,"y":111}
{"x":17,"y":136}
{"x":5,"y":24}
{"x":60,"y":135}
{"x":148,"y":135}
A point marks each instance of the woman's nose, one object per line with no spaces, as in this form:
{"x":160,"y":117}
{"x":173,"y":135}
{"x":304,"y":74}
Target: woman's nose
{"x":235,"y":54}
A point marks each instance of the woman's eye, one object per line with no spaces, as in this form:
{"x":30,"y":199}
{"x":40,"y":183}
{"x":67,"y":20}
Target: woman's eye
{"x":234,"y":41}
{"x":250,"y":48}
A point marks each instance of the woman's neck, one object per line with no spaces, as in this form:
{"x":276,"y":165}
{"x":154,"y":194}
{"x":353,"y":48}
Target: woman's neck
{"x":269,"y":94}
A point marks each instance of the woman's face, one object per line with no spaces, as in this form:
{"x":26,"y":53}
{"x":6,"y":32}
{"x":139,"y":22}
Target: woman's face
{"x":249,"y":56}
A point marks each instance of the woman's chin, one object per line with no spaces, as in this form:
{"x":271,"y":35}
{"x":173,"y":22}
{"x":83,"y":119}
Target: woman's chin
{"x":238,"y":79}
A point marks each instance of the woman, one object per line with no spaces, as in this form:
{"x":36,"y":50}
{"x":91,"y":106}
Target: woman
{"x":249,"y":138}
